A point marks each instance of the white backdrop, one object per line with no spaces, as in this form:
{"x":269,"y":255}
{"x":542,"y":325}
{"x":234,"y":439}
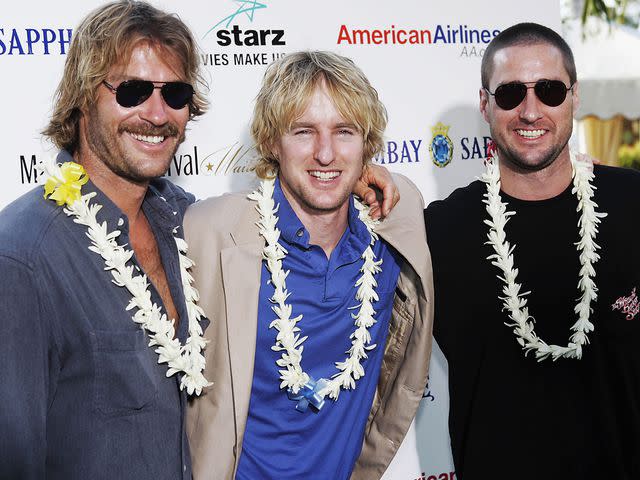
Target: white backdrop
{"x":423,"y":56}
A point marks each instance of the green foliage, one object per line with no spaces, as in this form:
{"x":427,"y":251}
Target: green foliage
{"x":629,"y":155}
{"x":616,"y":13}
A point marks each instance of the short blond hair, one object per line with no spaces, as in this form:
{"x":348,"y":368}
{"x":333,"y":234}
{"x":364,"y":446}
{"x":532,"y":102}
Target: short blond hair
{"x":106,"y":37}
{"x":287,"y":87}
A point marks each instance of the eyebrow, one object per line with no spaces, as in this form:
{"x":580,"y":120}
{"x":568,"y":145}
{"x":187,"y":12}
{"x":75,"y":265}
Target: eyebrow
{"x":532,"y":81}
{"x":125,"y":77}
{"x":310,"y":124}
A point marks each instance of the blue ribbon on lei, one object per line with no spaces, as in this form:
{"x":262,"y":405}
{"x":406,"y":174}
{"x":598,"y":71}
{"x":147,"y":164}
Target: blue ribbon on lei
{"x":309,"y":394}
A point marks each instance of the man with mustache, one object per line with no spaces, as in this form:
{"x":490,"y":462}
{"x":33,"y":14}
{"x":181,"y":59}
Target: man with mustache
{"x":535,"y":285}
{"x":83,"y":394}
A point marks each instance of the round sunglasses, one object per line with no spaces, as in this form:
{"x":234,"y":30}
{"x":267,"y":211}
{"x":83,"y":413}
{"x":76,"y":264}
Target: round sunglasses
{"x":550,"y":92}
{"x":131,"y":93}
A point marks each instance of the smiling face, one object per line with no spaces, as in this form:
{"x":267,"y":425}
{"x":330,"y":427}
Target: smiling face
{"x":136,"y":143}
{"x":532,"y":135}
{"x":320,"y":158}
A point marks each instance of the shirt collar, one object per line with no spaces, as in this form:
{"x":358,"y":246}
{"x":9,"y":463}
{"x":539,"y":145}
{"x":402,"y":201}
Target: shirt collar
{"x":291,"y":228}
{"x":157,"y":210}
{"x":294,"y":232}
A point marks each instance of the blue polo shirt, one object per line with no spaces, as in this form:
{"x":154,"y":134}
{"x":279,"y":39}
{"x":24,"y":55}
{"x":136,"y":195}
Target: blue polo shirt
{"x":280,"y":442}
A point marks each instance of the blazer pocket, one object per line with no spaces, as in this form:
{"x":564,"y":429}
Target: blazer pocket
{"x":125,"y":372}
{"x":399,"y":323}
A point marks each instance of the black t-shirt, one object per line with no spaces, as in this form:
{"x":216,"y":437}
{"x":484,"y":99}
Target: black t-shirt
{"x":511,"y":416}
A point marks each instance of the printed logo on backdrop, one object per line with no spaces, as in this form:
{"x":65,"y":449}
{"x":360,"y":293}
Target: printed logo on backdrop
{"x":471,"y":38}
{"x":400,"y":152}
{"x":437,"y":476}
{"x":474,"y":148}
{"x":187,"y":162}
{"x":238,"y":43}
{"x":229,"y":160}
{"x":34,"y":41}
{"x":240,"y":159}
{"x":439,"y":148}
{"x":28,"y":172}
{"x":427,"y":394}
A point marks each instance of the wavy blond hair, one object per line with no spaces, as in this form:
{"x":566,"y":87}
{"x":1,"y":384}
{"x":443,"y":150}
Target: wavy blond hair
{"x":106,"y":38}
{"x":287,"y":87}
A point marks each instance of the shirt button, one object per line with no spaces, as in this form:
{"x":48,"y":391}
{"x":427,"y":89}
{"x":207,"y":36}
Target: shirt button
{"x":300,"y":232}
{"x":184,"y":468}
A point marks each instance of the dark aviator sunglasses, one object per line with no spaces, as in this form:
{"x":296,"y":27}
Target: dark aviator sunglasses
{"x":550,"y":92}
{"x":131,"y":93}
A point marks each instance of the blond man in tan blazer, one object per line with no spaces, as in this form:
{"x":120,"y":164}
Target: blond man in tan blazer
{"x":228,"y":249}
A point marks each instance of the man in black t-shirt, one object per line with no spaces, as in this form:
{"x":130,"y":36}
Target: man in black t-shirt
{"x":539,"y":236}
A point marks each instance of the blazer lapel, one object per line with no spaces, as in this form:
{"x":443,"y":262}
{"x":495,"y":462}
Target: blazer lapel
{"x":241,"y":268}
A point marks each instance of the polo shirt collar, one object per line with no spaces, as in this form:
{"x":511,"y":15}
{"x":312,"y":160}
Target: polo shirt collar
{"x":292,"y":230}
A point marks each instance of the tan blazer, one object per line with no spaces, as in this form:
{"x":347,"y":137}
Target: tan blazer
{"x":225,"y":244}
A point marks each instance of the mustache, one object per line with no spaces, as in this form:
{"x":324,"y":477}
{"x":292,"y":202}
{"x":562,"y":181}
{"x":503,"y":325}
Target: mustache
{"x":167,"y":130}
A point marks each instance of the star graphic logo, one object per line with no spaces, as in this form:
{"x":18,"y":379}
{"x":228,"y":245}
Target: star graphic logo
{"x":246,"y":7}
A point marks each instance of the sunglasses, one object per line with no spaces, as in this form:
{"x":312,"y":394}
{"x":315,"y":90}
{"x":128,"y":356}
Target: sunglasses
{"x":131,"y":93}
{"x":550,"y":92}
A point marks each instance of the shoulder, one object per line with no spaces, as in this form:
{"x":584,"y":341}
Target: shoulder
{"x":217,"y":217}
{"x":411,"y":202}
{"x":456,"y":204}
{"x":25,"y":224}
{"x":616,"y":178}
{"x":223,"y":209}
{"x":403,"y":228}
{"x":617,"y":193}
{"x":174,"y":194}
{"x":456,"y":219}
{"x":409,"y":193}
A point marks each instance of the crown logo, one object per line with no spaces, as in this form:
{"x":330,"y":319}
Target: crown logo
{"x":440,"y":129}
{"x":441,"y":147}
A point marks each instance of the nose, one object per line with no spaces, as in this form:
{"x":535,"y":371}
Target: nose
{"x":324,"y":150}
{"x":154,"y":109}
{"x":530,"y":107}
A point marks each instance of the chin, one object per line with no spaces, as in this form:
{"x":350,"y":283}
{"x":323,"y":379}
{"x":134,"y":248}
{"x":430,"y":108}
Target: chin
{"x":152,"y":169}
{"x":532,"y":166}
{"x":539,"y":162}
{"x":140,"y":176}
{"x":329,"y":205}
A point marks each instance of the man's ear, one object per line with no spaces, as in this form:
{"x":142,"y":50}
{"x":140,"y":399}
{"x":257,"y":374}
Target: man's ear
{"x":274,"y":149}
{"x":575,"y":97}
{"x":484,"y":101}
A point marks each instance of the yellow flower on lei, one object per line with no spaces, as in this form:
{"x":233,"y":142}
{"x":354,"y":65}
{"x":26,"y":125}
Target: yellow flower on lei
{"x":65,"y":187}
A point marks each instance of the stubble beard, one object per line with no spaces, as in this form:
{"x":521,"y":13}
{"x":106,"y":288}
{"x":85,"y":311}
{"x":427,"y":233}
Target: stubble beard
{"x":518,"y":163}
{"x":106,"y":147}
{"x":306,"y":200}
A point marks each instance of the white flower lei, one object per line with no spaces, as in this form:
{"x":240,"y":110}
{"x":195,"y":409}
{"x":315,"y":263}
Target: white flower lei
{"x":514,"y":301}
{"x":288,"y":339}
{"x":187,"y":358}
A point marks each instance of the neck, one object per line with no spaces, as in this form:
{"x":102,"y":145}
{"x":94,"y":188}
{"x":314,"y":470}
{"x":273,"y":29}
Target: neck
{"x":126,"y":194}
{"x":325,"y":228}
{"x":547,"y":183}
